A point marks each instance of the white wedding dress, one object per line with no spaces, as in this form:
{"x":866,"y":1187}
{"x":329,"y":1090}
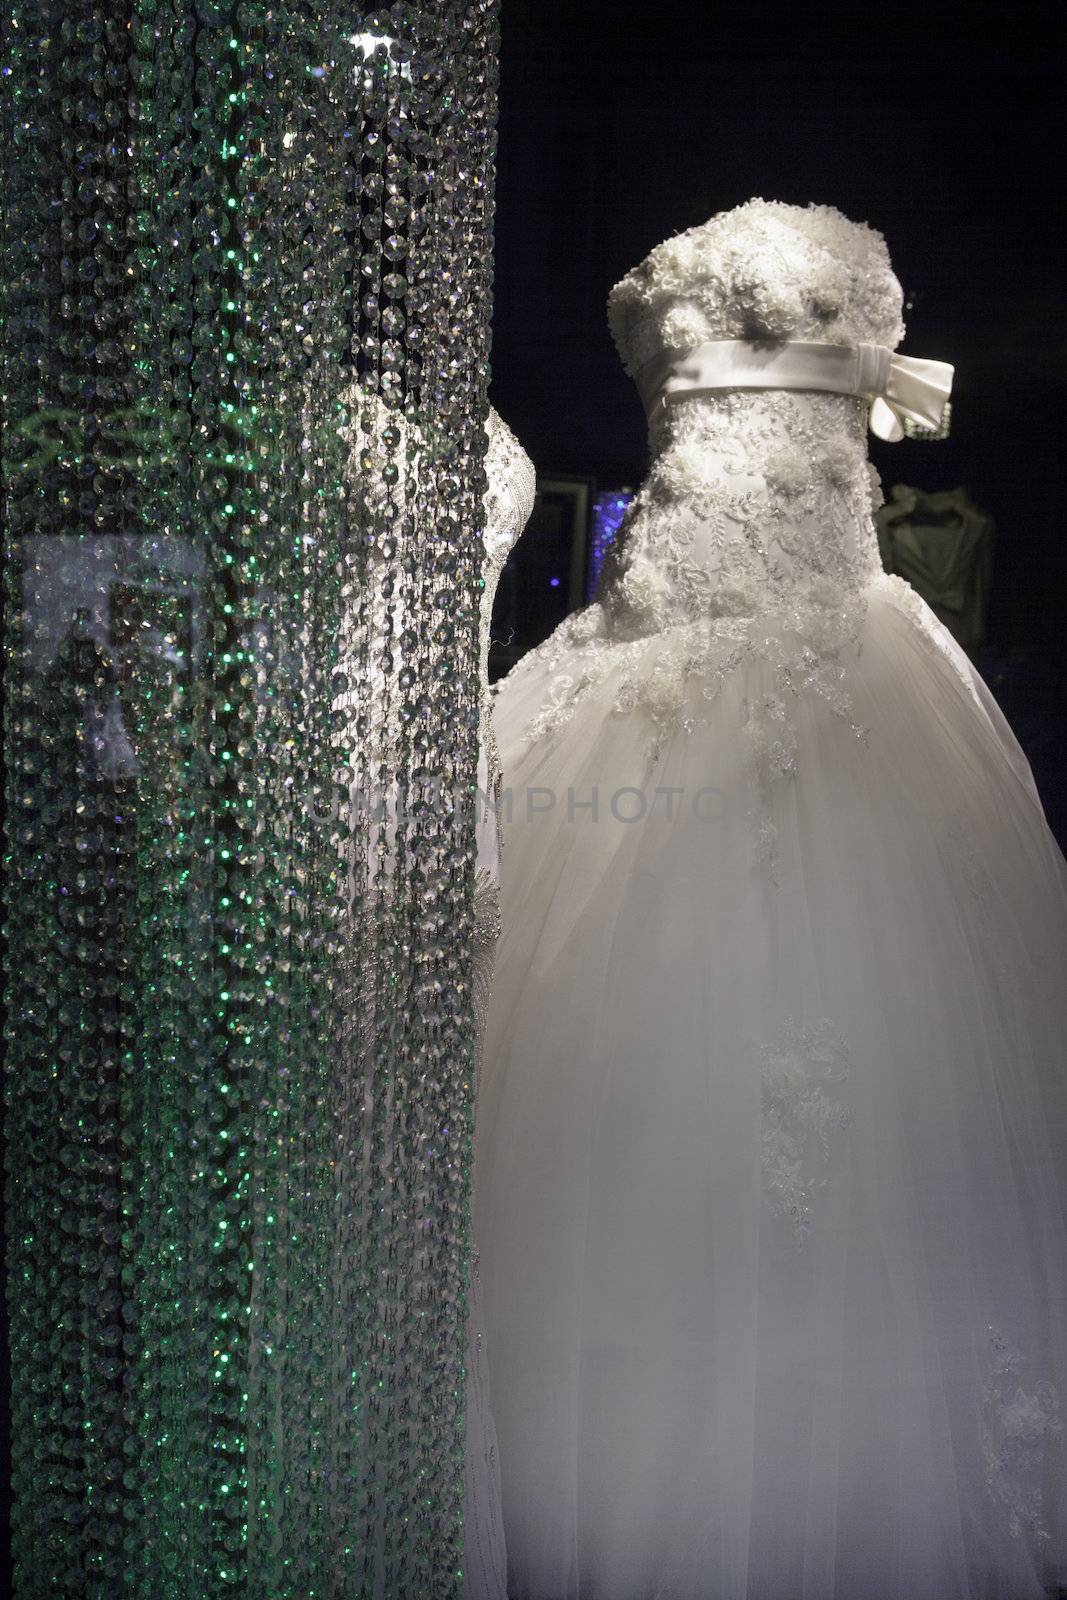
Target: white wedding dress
{"x":770,"y":1192}
{"x":508,"y":503}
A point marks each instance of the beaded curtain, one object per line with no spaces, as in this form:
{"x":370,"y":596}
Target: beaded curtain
{"x":246,"y":286}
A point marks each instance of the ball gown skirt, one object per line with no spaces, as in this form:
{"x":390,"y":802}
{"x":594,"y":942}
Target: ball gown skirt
{"x":771,"y":1185}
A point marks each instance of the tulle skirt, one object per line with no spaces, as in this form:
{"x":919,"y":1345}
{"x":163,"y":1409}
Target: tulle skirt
{"x":770,"y":1192}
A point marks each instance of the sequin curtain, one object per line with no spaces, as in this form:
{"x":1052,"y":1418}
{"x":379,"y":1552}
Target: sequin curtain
{"x":246,"y":280}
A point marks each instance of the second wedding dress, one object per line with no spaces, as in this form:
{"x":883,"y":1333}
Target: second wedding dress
{"x":770,"y":1193}
{"x":509,"y":501}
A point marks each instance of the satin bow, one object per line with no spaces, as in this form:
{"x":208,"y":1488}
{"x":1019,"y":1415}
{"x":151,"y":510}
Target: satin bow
{"x":914,"y":389}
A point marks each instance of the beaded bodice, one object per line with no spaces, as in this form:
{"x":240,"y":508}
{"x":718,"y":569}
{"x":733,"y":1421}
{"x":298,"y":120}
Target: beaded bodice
{"x":754,"y":502}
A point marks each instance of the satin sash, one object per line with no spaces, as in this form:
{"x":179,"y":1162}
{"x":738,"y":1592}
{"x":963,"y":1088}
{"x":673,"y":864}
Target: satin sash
{"x":899,"y":387}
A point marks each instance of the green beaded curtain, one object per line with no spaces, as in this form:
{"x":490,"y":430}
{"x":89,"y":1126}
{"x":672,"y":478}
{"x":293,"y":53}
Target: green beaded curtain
{"x":245,"y":290}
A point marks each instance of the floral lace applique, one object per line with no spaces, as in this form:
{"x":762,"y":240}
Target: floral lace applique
{"x":956,"y":831}
{"x":763,"y":270}
{"x":486,"y":933}
{"x":773,"y":747}
{"x":724,"y":557}
{"x":802,"y":1073}
{"x":1017,"y":1423}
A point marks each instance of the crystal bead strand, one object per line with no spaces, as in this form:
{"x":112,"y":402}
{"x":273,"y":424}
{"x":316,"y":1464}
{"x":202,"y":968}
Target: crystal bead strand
{"x":167,"y":995}
{"x":142,"y":1116}
{"x":289,"y":1364}
{"x":403,"y":550}
{"x":453,"y":422}
{"x":178,"y":1544}
{"x":94,"y":905}
{"x":357,"y":736}
{"x":224,"y":1090}
{"x":352,"y":708}
{"x":338,"y":1159}
{"x":270,"y":218}
{"x":475,"y":201}
{"x":36,"y":450}
{"x":381,"y":952}
{"x":72,"y":774}
{"x":430,"y":1427}
{"x":324,"y":510}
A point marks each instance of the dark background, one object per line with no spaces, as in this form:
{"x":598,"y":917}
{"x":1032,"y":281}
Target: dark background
{"x":941,"y":125}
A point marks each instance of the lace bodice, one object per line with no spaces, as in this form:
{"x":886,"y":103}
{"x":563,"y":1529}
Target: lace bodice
{"x":754,"y":500}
